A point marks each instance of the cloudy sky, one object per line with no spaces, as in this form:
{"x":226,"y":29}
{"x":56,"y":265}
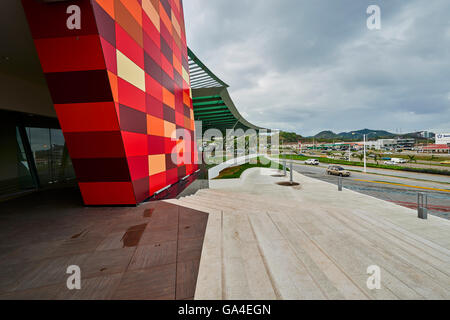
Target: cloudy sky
{"x":313,"y":65}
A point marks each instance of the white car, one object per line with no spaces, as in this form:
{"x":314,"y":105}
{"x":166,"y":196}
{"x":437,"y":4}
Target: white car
{"x":398,"y":160}
{"x":391,"y":163}
{"x":312,"y":162}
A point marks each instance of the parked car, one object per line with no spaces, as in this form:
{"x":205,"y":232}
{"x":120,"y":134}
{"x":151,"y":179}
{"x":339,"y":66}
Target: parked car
{"x":312,"y":162}
{"x":399,"y":160}
{"x":338,"y":171}
{"x":391,"y":163}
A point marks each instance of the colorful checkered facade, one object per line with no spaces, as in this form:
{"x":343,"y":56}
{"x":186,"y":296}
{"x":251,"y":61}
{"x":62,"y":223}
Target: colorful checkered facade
{"x":120,"y":87}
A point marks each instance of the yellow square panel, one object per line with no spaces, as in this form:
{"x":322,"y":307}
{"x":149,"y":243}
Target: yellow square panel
{"x":129,"y":71}
{"x":186,"y":76}
{"x":175,"y":24}
{"x":169,"y":129}
{"x":152,"y":13}
{"x":156,"y":164}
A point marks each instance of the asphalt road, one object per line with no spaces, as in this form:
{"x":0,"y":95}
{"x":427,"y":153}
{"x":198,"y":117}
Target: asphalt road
{"x":402,"y":191}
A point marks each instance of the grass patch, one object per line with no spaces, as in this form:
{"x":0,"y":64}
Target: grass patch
{"x":369,"y":165}
{"x":236,"y":171}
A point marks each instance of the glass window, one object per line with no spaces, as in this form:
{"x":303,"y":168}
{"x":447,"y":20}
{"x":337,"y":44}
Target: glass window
{"x":15,"y":174}
{"x":40,"y":147}
{"x":50,"y":155}
{"x":25,"y":179}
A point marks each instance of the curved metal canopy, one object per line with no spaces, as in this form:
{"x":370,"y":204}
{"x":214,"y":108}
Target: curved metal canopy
{"x":212,"y":102}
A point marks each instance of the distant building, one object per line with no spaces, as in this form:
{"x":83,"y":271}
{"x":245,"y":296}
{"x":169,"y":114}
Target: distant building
{"x":405,"y":143}
{"x":390,"y":144}
{"x":443,"y":138}
{"x":434,"y":148}
{"x":381,"y":144}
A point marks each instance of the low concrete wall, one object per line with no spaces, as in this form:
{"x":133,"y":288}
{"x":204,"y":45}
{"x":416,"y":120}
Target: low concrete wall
{"x":194,"y":187}
{"x":233,"y":183}
{"x":214,"y":172}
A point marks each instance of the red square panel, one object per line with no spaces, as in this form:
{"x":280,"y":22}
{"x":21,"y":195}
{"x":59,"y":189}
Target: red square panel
{"x":150,"y":30}
{"x":156,"y":145}
{"x":138,"y":167}
{"x":110,"y":56}
{"x":158,"y":182}
{"x":82,"y":117}
{"x":172,"y":176}
{"x":136,"y":144}
{"x":107,"y":193}
{"x":129,"y":47}
{"x":153,"y":87}
{"x":70,"y":54}
{"x":131,"y":96}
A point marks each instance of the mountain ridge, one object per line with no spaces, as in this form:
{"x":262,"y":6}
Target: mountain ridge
{"x":359,"y":135}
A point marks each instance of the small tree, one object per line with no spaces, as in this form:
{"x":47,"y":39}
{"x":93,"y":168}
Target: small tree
{"x":412,"y":158}
{"x":376,"y":156}
{"x":360,"y":156}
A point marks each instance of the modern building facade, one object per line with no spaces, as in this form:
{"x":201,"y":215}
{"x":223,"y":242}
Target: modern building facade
{"x":117,"y":74}
{"x":98,"y":93}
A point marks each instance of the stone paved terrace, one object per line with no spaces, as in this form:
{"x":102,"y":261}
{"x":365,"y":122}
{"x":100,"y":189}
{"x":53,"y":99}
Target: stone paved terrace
{"x":149,"y":252}
{"x":246,"y":239}
{"x":265,"y":241}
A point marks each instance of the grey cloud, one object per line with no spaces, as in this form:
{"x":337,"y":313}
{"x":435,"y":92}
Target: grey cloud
{"x":309,"y":66}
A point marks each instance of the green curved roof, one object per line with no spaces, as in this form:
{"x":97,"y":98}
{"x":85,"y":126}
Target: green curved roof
{"x":212,"y":102}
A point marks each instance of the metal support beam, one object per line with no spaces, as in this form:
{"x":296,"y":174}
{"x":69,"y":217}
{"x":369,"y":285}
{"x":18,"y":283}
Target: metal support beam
{"x":30,"y":156}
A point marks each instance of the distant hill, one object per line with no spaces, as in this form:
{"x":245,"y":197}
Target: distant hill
{"x":354,"y":135}
{"x":357,"y":135}
{"x":371,"y":134}
{"x":287,"y":137}
{"x":326,"y":135}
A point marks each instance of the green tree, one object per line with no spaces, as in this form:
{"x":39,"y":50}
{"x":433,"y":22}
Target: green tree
{"x":412,"y":158}
{"x":360,"y":156}
{"x":376,"y":156}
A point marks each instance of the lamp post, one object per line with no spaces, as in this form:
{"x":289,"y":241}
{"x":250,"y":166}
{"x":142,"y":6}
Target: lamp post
{"x":365,"y":161}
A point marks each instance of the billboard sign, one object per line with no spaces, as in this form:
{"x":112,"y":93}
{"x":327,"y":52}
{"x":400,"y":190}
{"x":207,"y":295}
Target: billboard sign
{"x":442,"y":138}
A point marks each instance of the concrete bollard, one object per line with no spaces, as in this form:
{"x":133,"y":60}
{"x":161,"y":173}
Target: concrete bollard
{"x":422,"y":206}
{"x":340,"y":183}
{"x":291,"y":171}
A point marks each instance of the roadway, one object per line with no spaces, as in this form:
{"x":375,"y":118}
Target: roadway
{"x":400,"y":190}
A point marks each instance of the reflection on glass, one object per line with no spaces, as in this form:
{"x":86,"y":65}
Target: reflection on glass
{"x":25,"y":180}
{"x":50,"y":155}
{"x":40,"y":147}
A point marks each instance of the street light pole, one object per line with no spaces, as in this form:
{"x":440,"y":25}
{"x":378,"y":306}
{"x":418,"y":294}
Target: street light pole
{"x":365,"y":161}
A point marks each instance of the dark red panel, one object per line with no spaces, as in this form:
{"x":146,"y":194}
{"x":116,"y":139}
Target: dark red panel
{"x":102,"y":170}
{"x":79,"y":86}
{"x":132,"y":120}
{"x":83,"y":145}
{"x":49,"y":20}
